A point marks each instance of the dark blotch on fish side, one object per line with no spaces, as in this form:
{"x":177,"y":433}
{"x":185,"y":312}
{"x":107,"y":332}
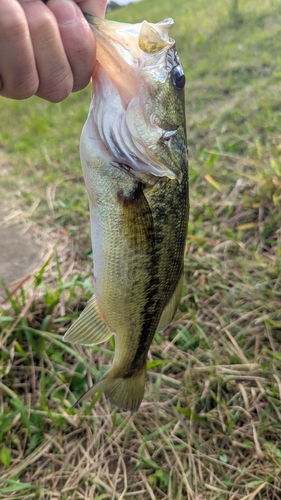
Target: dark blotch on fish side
{"x":133,"y":195}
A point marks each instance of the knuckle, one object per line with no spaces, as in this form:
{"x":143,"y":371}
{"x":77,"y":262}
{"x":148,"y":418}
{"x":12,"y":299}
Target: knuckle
{"x":56,"y":89}
{"x":82,"y":64}
{"x":12,"y":21}
{"x":24,"y":89}
{"x":40,"y":20}
{"x":20,"y":82}
{"x":80,"y":83}
{"x":56,"y":97}
{"x":46,"y":21}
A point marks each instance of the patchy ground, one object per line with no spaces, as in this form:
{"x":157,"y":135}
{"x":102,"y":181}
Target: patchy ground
{"x":19,"y":250}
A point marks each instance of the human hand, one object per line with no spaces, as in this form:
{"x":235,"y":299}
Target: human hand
{"x":46,"y":50}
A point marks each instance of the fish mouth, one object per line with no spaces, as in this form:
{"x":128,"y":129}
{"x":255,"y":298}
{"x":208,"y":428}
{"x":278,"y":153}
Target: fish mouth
{"x":125,"y":50}
{"x":130,"y":58}
{"x":152,"y":37}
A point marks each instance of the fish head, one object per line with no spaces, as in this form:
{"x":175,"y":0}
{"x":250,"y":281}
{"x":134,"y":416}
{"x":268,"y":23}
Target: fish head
{"x":137,"y":114}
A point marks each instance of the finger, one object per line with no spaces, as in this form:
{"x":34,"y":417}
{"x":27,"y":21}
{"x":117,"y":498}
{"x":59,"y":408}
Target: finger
{"x":94,"y":7}
{"x":55,"y":75}
{"x":77,"y":38}
{"x":18,"y":75}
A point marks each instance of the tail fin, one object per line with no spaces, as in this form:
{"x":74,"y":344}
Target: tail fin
{"x":125,"y":393}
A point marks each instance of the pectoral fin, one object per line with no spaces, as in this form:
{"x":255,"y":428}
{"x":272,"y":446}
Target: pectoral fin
{"x":89,"y":328}
{"x":171,"y":307}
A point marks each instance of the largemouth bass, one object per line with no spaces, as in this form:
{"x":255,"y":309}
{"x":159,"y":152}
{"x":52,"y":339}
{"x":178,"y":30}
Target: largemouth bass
{"x":134,"y":160}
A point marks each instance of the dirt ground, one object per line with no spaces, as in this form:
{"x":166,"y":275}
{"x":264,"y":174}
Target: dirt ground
{"x":19,"y":252}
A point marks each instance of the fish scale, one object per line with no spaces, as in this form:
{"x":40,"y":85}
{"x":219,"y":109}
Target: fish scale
{"x":134,"y":163}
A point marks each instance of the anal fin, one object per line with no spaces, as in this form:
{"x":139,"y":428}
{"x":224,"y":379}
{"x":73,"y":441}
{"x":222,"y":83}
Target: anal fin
{"x":89,"y":328}
{"x":170,"y":309}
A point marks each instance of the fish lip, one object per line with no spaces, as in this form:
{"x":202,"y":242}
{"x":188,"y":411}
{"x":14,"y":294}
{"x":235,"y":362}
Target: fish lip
{"x":95,"y":21}
{"x":148,"y":38}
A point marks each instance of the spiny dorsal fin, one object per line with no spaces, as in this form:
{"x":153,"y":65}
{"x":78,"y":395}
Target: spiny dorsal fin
{"x":89,"y":328}
{"x":171,"y":307}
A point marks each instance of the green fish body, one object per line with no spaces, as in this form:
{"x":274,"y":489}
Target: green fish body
{"x":134,"y":159}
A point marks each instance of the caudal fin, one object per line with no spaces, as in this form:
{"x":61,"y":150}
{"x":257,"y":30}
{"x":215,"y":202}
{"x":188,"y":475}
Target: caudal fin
{"x":125,"y":393}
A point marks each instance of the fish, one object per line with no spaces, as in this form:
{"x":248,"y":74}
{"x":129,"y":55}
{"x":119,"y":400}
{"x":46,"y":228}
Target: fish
{"x":134,"y":158}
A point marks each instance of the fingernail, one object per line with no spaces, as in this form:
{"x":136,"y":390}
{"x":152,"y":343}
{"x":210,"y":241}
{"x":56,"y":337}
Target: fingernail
{"x":65,"y":11}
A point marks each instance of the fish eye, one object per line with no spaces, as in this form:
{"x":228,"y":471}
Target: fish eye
{"x":178,"y":77}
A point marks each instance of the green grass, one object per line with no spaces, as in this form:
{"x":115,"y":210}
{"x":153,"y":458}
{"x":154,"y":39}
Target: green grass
{"x":210,"y":424}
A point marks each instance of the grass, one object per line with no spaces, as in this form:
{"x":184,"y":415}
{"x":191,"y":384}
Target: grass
{"x":210,"y":424}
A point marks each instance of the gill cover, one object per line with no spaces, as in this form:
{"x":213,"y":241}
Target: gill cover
{"x":132,"y":60}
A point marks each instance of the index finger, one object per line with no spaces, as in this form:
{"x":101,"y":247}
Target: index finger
{"x":94,"y":7}
{"x":18,"y":77}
